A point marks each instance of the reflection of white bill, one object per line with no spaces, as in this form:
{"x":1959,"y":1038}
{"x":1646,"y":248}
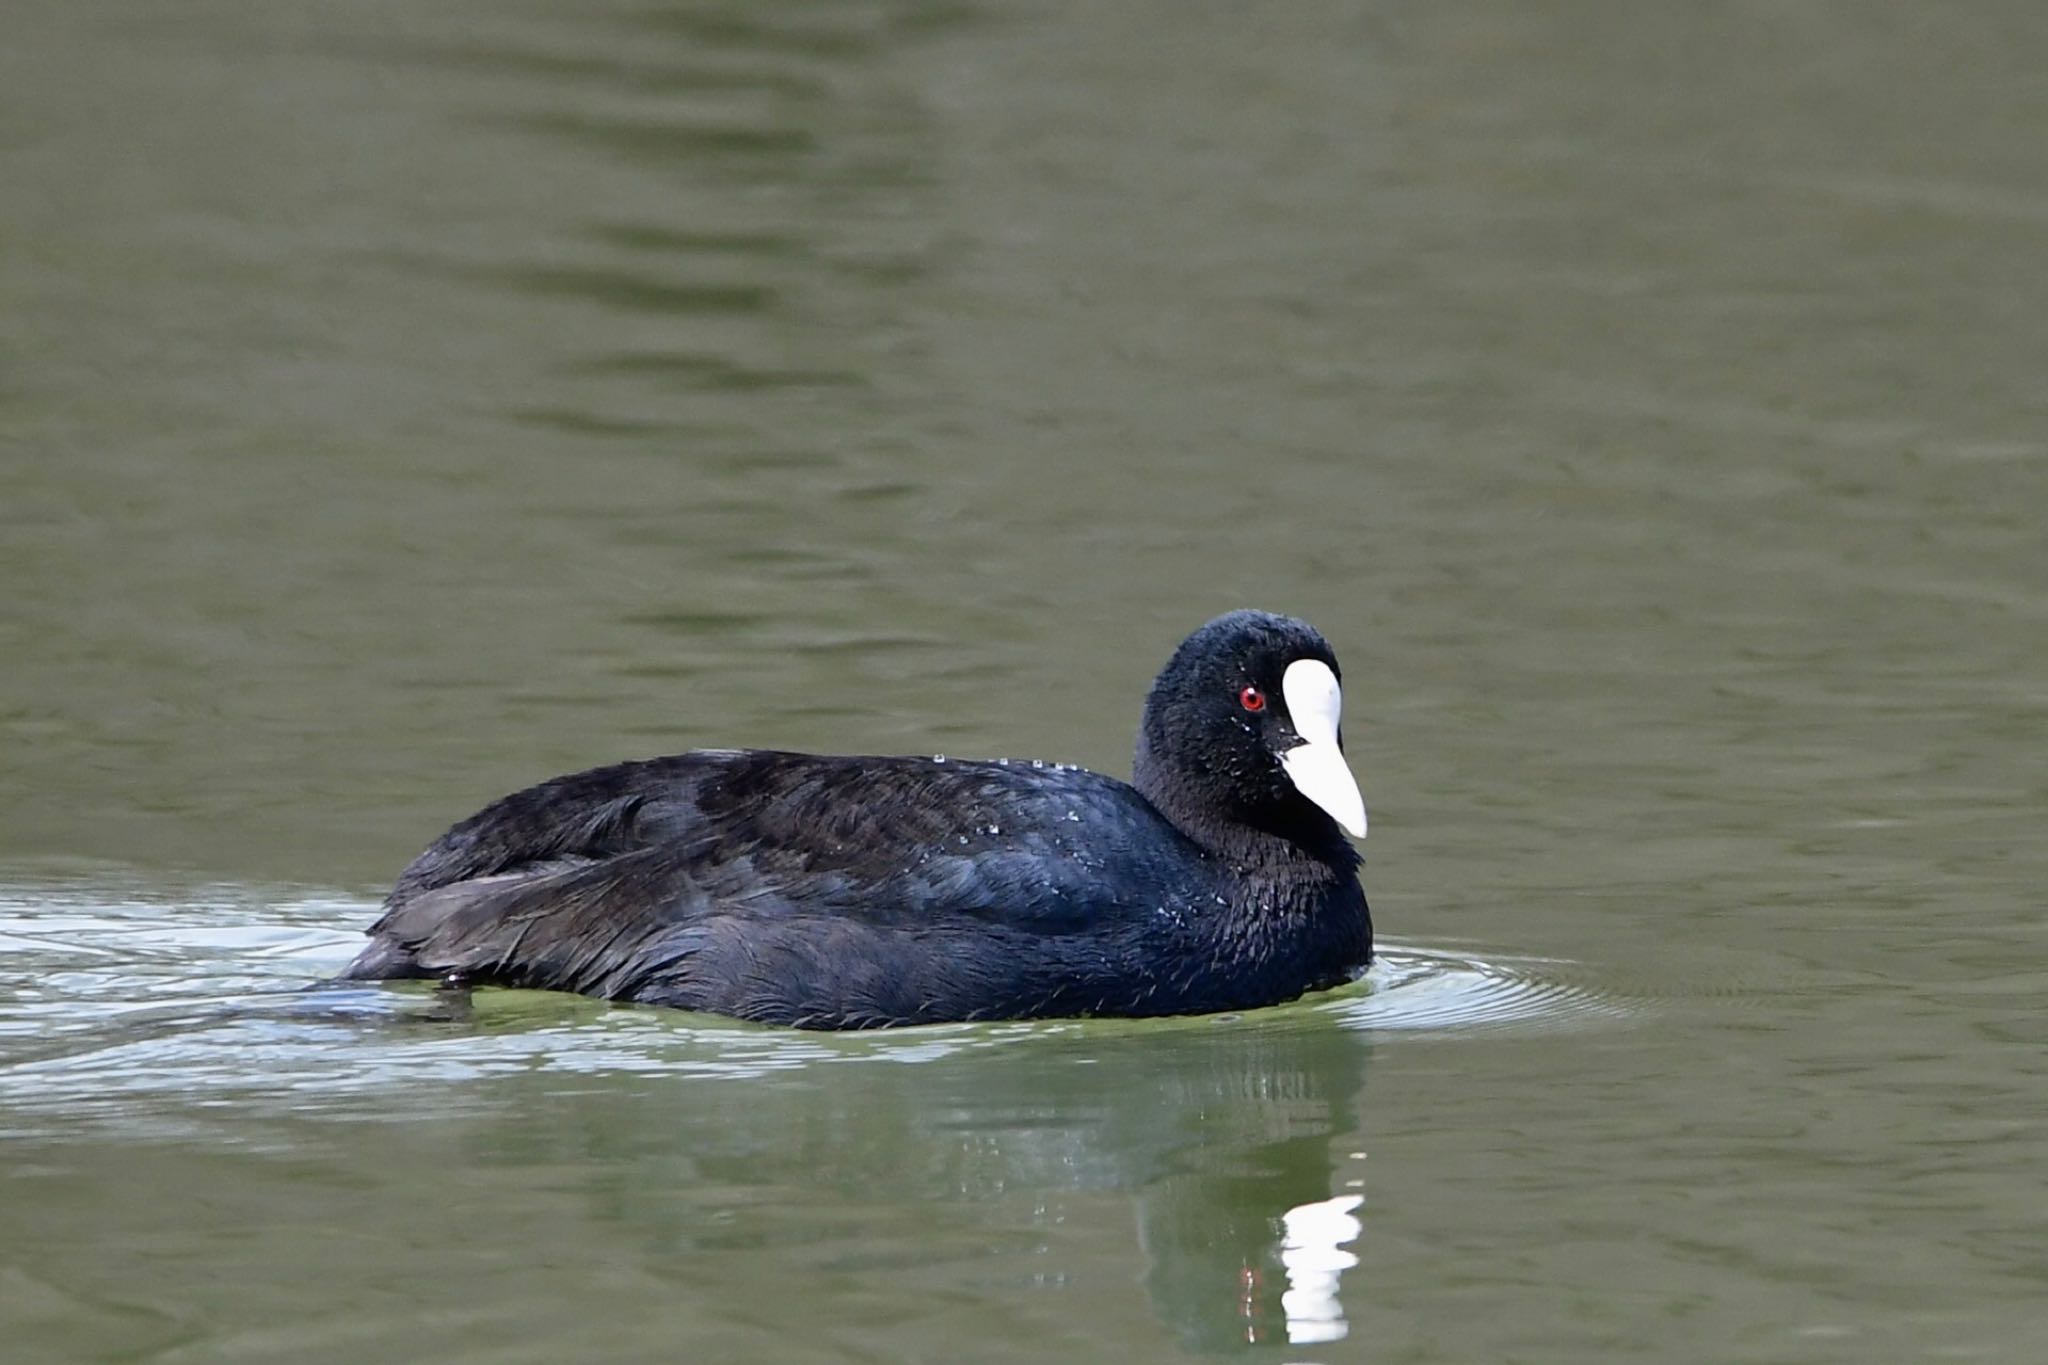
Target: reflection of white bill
{"x":1312,"y":1249}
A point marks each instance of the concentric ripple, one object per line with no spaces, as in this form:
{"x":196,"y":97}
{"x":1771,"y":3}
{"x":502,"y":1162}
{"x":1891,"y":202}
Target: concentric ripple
{"x":1430,"y":990}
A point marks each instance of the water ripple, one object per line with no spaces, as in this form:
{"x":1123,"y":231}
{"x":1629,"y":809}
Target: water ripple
{"x":148,"y":1011}
{"x":1415,"y":989}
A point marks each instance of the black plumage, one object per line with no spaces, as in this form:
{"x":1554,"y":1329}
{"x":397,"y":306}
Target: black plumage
{"x":852,"y":892}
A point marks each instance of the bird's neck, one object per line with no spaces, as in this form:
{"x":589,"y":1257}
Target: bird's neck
{"x":1292,"y":841}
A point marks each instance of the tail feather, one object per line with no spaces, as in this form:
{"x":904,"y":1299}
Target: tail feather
{"x":587,"y":927}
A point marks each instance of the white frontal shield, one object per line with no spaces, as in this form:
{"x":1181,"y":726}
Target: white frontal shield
{"x":1316,"y":766}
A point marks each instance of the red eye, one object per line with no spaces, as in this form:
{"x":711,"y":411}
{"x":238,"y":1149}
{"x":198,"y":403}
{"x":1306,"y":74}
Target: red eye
{"x":1251,"y":699}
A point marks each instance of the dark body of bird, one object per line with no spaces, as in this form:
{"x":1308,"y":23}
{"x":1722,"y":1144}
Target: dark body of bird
{"x":851,"y":892}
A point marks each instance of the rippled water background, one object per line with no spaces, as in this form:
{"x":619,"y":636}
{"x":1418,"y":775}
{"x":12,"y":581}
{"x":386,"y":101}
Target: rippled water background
{"x":400,"y":403}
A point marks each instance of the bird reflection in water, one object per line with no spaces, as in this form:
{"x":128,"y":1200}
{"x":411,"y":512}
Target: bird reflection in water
{"x":1246,"y":1214}
{"x":1312,"y":1249}
{"x":1232,"y":1140}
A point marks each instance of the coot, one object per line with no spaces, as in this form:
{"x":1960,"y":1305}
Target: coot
{"x":830,"y":892}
